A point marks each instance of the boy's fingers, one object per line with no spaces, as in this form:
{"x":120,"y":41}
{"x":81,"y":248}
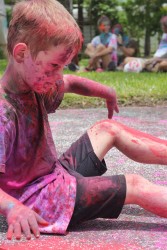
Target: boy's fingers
{"x":17,"y":230}
{"x":10,"y":232}
{"x":34,"y":226}
{"x":110,"y":114}
{"x":116,"y":109}
{"x":40,"y":220}
{"x":26,"y":229}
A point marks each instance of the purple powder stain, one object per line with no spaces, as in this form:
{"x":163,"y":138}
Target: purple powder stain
{"x":162,"y":121}
{"x":158,"y":174}
{"x":120,"y":161}
{"x":161,"y":183}
{"x":161,"y":244}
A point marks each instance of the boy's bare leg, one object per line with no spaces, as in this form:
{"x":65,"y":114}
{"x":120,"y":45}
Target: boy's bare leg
{"x":146,"y":194}
{"x":140,"y":147}
{"x":136,"y":145}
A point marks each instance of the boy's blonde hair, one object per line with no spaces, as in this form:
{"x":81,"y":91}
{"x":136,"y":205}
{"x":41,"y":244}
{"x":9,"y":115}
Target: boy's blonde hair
{"x":42,"y":23}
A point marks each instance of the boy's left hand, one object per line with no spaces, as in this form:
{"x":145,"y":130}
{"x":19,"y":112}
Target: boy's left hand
{"x":112,"y":105}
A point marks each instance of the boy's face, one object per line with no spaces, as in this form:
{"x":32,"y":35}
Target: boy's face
{"x":41,"y":73}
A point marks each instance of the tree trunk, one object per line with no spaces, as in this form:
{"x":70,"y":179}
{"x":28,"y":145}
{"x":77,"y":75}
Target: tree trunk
{"x":67,"y":4}
{"x":80,"y":14}
{"x":147,"y":30}
{"x":147,"y":43}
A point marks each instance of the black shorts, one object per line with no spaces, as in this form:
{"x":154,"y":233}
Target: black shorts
{"x":97,"y":196}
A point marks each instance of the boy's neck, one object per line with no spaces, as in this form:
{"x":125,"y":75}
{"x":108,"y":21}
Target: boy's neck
{"x":12,"y":81}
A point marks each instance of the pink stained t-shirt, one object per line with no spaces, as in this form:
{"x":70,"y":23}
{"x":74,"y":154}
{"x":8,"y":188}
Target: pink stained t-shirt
{"x":28,"y":158}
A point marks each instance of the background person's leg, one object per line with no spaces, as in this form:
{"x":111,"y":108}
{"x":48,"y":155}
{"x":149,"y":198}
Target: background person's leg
{"x":136,"y":145}
{"x":95,"y":62}
{"x":90,"y":50}
{"x":107,"y":63}
{"x":163,"y":66}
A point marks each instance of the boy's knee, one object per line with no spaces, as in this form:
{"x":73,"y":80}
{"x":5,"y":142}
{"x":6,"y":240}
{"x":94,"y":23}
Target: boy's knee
{"x":108,"y":126}
{"x":133,"y":180}
{"x":134,"y":185}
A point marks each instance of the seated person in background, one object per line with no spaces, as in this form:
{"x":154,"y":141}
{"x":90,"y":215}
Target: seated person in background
{"x":127,"y":47}
{"x":159,"y":60}
{"x":162,"y":48}
{"x":103,"y":48}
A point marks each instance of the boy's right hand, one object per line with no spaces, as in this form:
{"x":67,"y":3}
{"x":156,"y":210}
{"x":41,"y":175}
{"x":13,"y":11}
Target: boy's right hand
{"x":22,"y":219}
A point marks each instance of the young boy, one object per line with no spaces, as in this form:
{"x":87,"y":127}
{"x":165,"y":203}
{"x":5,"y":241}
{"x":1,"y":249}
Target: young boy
{"x":39,"y":192}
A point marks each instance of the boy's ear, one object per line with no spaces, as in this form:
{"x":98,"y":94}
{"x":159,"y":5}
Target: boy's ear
{"x":19,"y":52}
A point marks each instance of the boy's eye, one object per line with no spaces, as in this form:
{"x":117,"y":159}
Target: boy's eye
{"x":54,"y":65}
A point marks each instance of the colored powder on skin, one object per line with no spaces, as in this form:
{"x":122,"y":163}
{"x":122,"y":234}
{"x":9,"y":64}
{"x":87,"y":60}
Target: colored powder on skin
{"x":10,"y":206}
{"x":143,"y":136}
{"x":65,"y":56}
{"x":136,"y":142}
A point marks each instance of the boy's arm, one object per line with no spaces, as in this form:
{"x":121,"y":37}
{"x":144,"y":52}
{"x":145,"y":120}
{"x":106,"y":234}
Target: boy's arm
{"x":87,"y":87}
{"x":19,"y":217}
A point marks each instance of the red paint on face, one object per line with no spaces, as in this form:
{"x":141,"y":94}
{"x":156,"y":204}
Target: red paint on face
{"x":42,"y":73}
{"x":66,"y":55}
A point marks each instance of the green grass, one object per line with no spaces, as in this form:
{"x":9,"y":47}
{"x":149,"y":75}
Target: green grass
{"x":3,"y":64}
{"x":143,"y":89}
